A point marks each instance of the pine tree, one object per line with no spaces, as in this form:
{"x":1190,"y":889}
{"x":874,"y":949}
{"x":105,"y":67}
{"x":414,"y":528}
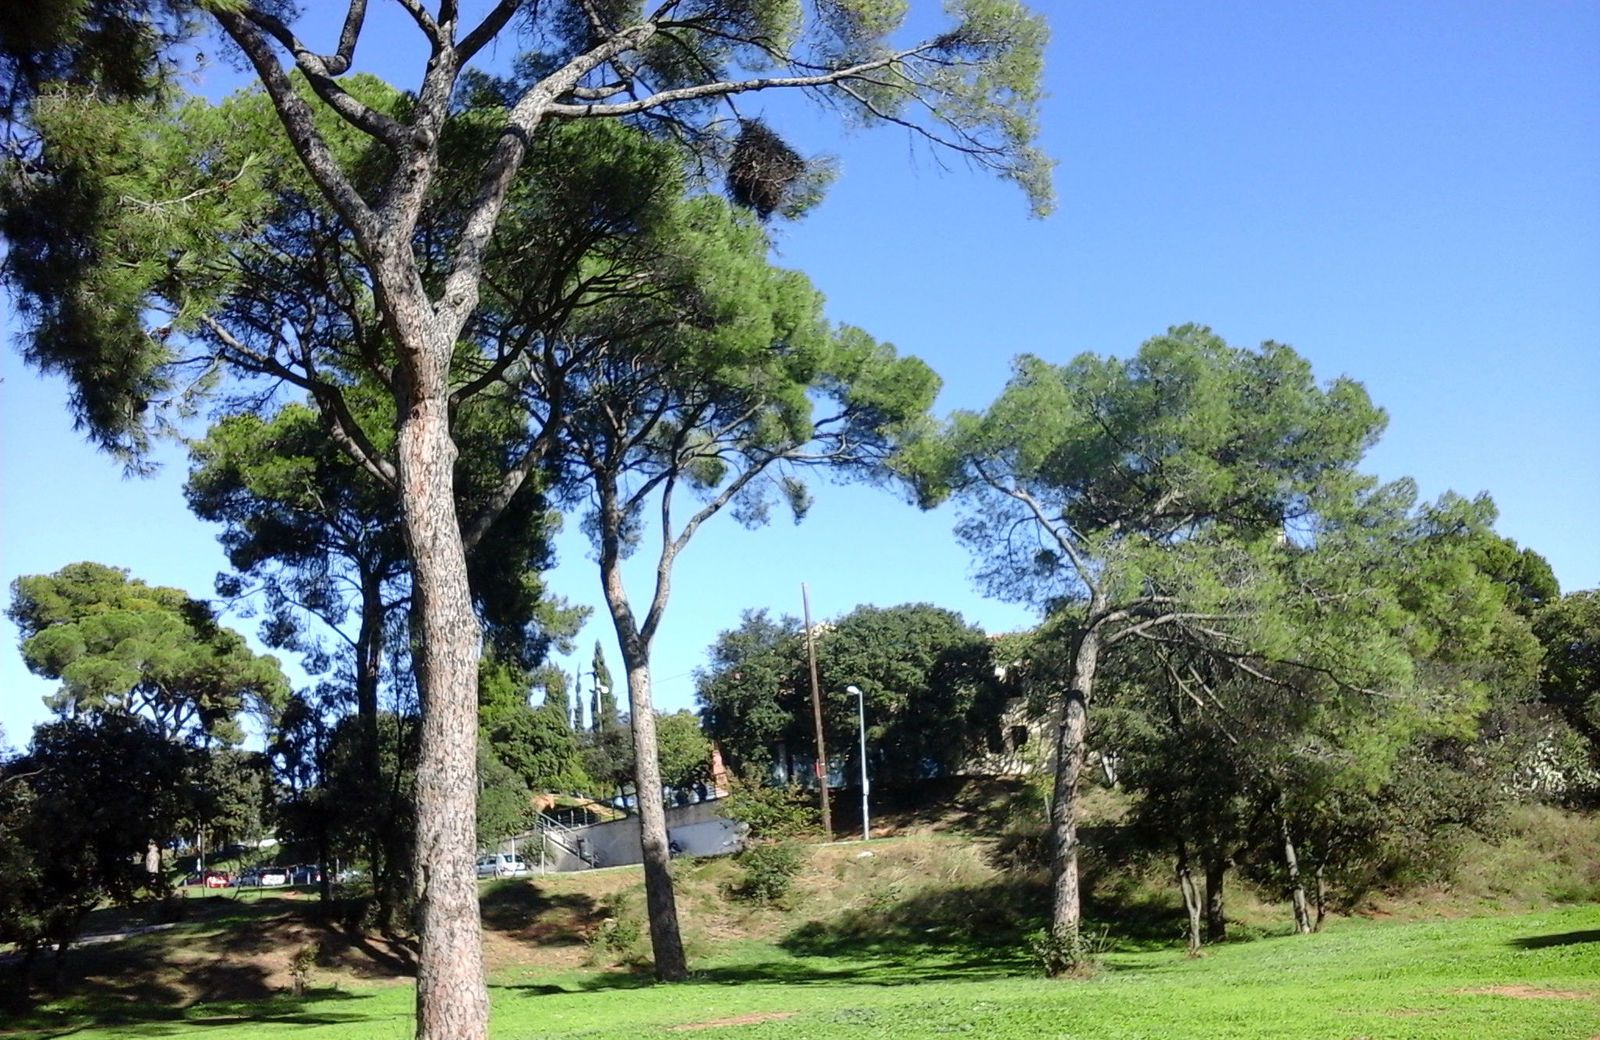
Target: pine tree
{"x":603,"y":708}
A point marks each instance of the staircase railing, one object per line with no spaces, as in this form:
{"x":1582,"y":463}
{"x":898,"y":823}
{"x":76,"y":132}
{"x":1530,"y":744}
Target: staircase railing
{"x":564,"y":837}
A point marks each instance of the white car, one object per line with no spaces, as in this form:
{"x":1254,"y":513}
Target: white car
{"x":502,"y":865}
{"x":271,"y":876}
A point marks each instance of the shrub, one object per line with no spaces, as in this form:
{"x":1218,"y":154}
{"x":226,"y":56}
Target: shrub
{"x":775,"y":813}
{"x":1075,"y":956}
{"x":618,"y":937}
{"x":769,"y":872}
{"x":1558,"y":766}
{"x":301,"y":965}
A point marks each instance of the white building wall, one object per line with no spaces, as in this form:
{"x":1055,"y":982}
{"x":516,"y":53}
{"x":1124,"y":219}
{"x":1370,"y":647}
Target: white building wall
{"x":699,"y":830}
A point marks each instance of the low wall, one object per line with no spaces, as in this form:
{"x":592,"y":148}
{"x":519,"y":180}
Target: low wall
{"x":697,"y":829}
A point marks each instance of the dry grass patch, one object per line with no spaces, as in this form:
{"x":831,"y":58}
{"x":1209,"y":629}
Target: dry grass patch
{"x":736,"y":1020}
{"x":1526,"y":993}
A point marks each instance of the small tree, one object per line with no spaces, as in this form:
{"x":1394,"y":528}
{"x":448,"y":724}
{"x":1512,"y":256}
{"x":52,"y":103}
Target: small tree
{"x":932,"y":696}
{"x":357,"y":810}
{"x":317,"y":542}
{"x":231,"y":790}
{"x":771,"y":813}
{"x":607,"y":758}
{"x":1300,"y":734}
{"x":1136,"y":497}
{"x":557,"y":695}
{"x":750,"y":703}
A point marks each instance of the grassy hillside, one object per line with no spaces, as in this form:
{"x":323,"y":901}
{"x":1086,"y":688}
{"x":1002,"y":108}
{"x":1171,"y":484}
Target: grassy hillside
{"x":929,"y":906}
{"x":1527,"y":977}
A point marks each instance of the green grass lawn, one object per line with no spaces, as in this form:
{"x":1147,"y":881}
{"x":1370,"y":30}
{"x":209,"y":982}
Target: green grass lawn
{"x":1535,"y":976}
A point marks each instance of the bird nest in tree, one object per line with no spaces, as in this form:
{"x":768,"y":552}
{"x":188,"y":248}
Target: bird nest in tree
{"x":762,"y":169}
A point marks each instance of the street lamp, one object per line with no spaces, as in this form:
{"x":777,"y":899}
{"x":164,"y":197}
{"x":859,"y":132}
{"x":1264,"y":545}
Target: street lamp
{"x":861,"y":715}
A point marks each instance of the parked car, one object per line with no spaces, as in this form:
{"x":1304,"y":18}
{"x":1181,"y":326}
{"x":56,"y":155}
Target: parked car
{"x":502,"y":865}
{"x":305,"y":874}
{"x":210,"y":879}
{"x":268,"y":877}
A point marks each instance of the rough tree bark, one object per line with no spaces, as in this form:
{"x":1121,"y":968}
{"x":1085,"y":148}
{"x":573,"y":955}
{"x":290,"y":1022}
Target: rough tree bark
{"x":1071,"y":748}
{"x":452,"y":1000}
{"x":666,"y":944}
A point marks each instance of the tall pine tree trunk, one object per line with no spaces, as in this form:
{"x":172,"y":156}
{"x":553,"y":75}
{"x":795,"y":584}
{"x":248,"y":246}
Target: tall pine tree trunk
{"x":452,"y":1001}
{"x":661,"y":907}
{"x":666,"y":944}
{"x":1066,"y":920}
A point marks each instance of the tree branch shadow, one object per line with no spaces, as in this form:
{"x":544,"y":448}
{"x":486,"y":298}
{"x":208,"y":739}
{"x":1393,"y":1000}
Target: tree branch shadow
{"x":1541,"y":942}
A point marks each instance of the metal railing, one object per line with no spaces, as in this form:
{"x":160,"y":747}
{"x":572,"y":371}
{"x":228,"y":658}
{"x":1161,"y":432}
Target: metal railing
{"x":563,"y":837}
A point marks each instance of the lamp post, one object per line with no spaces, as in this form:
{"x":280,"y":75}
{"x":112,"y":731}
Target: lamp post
{"x":861,"y":716}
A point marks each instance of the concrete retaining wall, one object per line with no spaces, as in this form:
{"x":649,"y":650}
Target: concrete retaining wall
{"x":698,"y":829}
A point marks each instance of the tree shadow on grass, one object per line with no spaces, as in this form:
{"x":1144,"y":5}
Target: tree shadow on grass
{"x":190,"y":907}
{"x":638,"y":978}
{"x":140,"y":986}
{"x":368,"y":956}
{"x":857,"y":971}
{"x":987,"y":928}
{"x":1135,"y":922}
{"x":525,"y":911}
{"x":962,"y":933}
{"x":970,"y":965}
{"x":1540,"y":942}
{"x":983,"y":926}
{"x":143,"y":1018}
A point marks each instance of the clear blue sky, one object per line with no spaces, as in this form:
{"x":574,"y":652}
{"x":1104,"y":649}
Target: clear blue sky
{"x":1408,"y":193}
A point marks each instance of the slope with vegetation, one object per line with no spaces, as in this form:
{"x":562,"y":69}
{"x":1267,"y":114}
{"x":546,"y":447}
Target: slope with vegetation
{"x":949,"y":906}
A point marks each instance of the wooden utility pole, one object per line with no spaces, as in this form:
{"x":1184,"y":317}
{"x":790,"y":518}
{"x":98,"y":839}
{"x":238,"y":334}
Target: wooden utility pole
{"x":816,"y":716}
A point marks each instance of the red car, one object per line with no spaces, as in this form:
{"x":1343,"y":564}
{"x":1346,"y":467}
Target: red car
{"x":211,"y":879}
